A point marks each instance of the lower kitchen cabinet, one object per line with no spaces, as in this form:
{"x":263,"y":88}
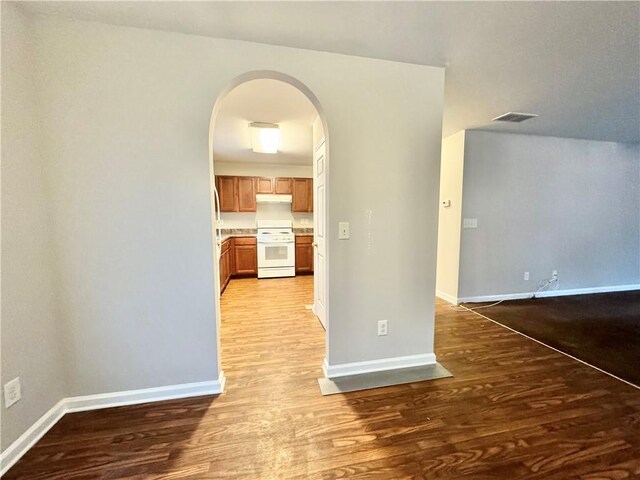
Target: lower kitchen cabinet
{"x":238,"y":257}
{"x":246,"y":256}
{"x":226,"y":263}
{"x":304,"y":254}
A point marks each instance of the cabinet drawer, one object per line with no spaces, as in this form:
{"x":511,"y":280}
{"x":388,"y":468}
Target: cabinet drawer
{"x":245,"y":240}
{"x":304,"y":239}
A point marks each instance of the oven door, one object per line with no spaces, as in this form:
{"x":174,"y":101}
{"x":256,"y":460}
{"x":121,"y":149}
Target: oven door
{"x":276,"y":254}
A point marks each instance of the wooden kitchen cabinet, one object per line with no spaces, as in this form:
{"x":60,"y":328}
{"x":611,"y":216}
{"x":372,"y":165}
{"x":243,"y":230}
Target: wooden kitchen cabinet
{"x":302,"y":195}
{"x":283,"y":186}
{"x":237,"y":194}
{"x":228,"y":193}
{"x":304,"y":254}
{"x":246,"y":256}
{"x":238,"y":257}
{"x":264,"y":185}
{"x":246,"y":194}
{"x":226,"y":263}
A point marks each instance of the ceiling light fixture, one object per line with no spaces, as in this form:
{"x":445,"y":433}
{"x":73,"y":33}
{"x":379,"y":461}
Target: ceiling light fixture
{"x":265,"y":137}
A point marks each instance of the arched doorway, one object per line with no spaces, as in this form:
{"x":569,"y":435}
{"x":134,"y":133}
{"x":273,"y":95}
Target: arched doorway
{"x":320,"y":157}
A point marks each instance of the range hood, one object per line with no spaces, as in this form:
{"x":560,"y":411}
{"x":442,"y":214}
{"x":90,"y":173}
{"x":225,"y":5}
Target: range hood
{"x":270,"y":198}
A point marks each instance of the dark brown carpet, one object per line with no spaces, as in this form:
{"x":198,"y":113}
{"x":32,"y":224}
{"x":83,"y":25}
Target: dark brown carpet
{"x":601,"y":329}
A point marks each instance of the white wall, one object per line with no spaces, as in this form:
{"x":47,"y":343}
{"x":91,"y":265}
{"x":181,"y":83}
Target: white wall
{"x":317,"y":132}
{"x":264,"y":169}
{"x":449,"y":224}
{"x":545,"y":204}
{"x":266,"y":212}
{"x":31,"y":327}
{"x":125,"y":114}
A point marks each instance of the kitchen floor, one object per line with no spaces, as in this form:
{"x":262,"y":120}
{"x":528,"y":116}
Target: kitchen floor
{"x":514,"y":409}
{"x":265,"y":324}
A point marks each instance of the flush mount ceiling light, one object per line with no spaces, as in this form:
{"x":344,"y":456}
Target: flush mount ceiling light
{"x":265,"y":137}
{"x":514,"y":117}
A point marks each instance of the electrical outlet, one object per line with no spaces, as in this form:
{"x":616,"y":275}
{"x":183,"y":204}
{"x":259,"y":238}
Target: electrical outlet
{"x":526,"y":275}
{"x":382,"y":327}
{"x":12,"y":392}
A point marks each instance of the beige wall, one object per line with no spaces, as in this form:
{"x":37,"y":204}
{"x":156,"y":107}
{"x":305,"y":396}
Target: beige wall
{"x":31,"y":326}
{"x":449,"y":221}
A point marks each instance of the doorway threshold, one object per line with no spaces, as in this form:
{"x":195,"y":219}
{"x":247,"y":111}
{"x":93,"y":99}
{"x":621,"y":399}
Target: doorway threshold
{"x":366,"y":381}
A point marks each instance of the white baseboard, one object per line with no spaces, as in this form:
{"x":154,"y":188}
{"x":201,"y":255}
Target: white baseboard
{"x":446,"y":297}
{"x":550,"y":293}
{"x":394,"y":363}
{"x":133,"y":397}
{"x":28,"y":439}
{"x":584,"y":291}
{"x":495,"y":298}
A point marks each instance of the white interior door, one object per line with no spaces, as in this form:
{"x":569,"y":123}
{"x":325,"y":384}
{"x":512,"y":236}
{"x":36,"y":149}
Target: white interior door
{"x":319,"y":232}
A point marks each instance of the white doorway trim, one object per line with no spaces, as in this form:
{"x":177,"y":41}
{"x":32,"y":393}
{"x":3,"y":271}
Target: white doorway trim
{"x":271,"y":75}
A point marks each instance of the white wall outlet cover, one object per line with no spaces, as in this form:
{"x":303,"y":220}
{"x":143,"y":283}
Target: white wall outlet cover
{"x":343,"y":230}
{"x":12,"y":392}
{"x":470,"y":223}
{"x":526,"y":275}
{"x":382,"y":327}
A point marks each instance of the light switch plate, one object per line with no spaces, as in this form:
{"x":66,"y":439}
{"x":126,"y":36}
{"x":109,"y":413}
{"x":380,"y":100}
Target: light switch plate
{"x":470,"y":223}
{"x":343,"y":230}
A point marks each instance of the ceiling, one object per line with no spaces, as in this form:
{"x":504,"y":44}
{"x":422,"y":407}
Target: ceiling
{"x":269,"y":101}
{"x":575,"y":64}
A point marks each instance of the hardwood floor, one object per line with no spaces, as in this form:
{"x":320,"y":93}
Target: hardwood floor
{"x":513,"y":410}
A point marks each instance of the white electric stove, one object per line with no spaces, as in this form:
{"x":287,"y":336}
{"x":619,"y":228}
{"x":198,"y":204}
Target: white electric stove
{"x":276,"y":249}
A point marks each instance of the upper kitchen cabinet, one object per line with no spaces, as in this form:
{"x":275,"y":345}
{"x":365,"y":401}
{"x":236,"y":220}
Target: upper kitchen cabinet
{"x":246,"y":194}
{"x":237,"y":194}
{"x":228,"y":192}
{"x":302,"y":195}
{"x":264,"y":185}
{"x":283,"y":186}
{"x":268,"y":185}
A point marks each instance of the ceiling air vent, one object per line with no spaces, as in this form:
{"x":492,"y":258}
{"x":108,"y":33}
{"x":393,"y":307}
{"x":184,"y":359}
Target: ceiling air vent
{"x":514,"y":117}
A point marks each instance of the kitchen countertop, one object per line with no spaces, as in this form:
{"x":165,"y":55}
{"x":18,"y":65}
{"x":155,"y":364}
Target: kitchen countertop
{"x":237,"y":232}
{"x":252,"y":232}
